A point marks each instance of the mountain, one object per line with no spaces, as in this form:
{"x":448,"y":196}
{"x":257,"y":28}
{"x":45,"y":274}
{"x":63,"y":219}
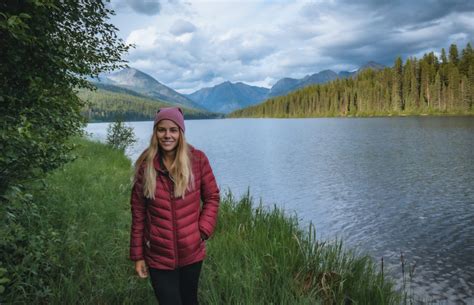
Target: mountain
{"x":110,"y":102}
{"x":371,"y":65}
{"x":346,"y":74}
{"x":318,"y":78}
{"x":283,"y":86}
{"x":136,"y":80}
{"x":227,"y":97}
{"x":223,"y":98}
{"x":117,"y":89}
{"x":286,"y":85}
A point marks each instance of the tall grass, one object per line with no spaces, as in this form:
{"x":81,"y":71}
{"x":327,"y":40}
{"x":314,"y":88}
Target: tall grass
{"x":257,"y":255}
{"x":261,"y":256}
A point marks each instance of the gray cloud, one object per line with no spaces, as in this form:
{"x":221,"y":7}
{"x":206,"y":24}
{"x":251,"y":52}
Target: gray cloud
{"x":342,"y":35}
{"x":383,"y":30}
{"x":146,"y":7}
{"x":181,"y":27}
{"x":406,"y":12}
{"x":247,"y":48}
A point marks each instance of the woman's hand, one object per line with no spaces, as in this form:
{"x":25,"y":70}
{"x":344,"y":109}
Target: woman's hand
{"x":141,"y":269}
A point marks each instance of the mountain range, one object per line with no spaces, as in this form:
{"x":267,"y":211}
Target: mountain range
{"x":222,"y":98}
{"x":140,"y":82}
{"x":227,"y":97}
{"x":286,"y":85}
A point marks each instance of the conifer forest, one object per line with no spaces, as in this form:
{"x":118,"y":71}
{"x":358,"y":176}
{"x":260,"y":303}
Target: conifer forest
{"x":430,"y":85}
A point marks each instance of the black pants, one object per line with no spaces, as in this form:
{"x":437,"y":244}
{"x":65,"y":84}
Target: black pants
{"x":176,"y":287}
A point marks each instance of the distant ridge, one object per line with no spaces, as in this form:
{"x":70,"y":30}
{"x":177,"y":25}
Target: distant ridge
{"x":109,"y":102}
{"x":371,"y":65}
{"x":227,"y":97}
{"x":286,"y":85}
{"x":138,"y":81}
{"x":222,"y":98}
{"x":117,"y":89}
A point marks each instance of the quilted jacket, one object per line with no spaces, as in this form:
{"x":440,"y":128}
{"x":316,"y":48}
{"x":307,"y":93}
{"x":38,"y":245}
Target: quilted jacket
{"x":166,"y":231}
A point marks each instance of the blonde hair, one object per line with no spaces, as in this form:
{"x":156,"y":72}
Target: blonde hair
{"x":180,"y":170}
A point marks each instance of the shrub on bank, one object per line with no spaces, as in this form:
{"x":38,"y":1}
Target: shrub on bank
{"x":67,"y":243}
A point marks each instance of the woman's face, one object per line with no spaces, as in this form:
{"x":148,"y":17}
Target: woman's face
{"x":167,"y":133}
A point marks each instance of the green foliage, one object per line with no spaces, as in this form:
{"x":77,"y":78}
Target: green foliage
{"x":67,"y":243}
{"x":48,"y":48}
{"x":27,"y":249}
{"x":104,"y":106}
{"x":425,"y":86}
{"x":3,"y":280}
{"x":120,"y":136}
{"x":453,"y":54}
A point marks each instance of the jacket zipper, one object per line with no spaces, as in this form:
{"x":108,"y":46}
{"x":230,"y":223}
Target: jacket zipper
{"x":173,"y":212}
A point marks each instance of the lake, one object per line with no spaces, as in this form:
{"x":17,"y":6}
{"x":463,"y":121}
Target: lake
{"x":383,"y":185}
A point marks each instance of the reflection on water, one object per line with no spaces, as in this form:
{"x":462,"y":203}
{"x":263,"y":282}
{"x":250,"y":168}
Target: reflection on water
{"x":386,"y":185}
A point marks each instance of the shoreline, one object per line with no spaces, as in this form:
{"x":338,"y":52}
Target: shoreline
{"x":471,"y":114}
{"x":85,"y":208}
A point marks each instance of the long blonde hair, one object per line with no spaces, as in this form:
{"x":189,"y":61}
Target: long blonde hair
{"x":180,"y":170}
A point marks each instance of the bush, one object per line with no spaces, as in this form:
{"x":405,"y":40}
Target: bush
{"x":48,"y":49}
{"x":120,"y":136}
{"x":28,"y":250}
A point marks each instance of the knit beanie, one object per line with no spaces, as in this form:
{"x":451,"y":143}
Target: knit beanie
{"x":174,"y":114}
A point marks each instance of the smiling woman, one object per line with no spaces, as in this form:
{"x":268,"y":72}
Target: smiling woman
{"x":168,"y":135}
{"x":169,"y":227}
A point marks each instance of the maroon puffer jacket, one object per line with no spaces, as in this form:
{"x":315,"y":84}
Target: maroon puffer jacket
{"x":166,"y":231}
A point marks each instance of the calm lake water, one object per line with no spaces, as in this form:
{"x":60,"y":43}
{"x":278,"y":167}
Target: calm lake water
{"x":384,"y":185}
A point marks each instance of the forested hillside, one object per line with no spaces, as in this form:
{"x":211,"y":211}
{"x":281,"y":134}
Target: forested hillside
{"x":429,"y":85}
{"x":144,"y":84}
{"x":106,"y":106}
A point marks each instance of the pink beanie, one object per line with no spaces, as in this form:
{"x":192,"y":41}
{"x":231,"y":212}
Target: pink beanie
{"x":174,"y":114}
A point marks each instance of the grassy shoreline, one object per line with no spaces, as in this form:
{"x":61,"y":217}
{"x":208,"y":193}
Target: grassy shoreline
{"x":68,"y":244}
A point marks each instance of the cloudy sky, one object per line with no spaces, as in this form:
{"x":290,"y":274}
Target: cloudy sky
{"x":188,"y":45}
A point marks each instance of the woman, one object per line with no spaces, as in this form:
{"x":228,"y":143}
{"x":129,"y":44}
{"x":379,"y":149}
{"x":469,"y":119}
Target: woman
{"x":169,"y":226}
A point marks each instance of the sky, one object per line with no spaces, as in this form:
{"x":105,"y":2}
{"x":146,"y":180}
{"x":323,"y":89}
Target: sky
{"x":188,"y":45}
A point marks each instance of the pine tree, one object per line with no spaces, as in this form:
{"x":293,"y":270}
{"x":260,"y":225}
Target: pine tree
{"x":437,"y":92}
{"x":415,"y":85}
{"x":470,"y":88}
{"x":454,"y":79}
{"x":467,"y":59}
{"x":453,"y":55}
{"x":444,"y":59}
{"x":397,"y":85}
